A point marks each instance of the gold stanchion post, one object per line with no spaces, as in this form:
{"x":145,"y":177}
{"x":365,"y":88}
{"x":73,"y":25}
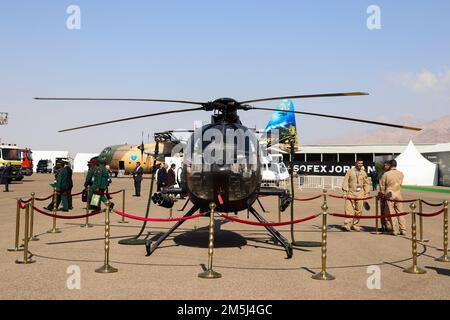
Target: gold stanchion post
{"x":106,"y":268}
{"x":26,"y":258}
{"x":16,"y":240}
{"x":414,"y":268}
{"x":445,"y":257}
{"x":54,"y":229}
{"x":323,"y":274}
{"x":32,"y":236}
{"x":210,"y":273}
{"x":123,"y":207}
{"x":421,"y":239}
{"x":87,"y":224}
{"x":377,"y":214}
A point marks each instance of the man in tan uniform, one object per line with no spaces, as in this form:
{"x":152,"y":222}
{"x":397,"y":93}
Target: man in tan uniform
{"x":355,"y":185}
{"x":390,"y":185}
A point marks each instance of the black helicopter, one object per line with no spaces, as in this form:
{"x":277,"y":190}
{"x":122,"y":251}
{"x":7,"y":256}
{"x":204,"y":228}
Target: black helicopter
{"x":234,"y":182}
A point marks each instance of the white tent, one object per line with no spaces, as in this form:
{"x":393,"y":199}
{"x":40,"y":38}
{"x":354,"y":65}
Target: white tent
{"x":81,"y":160}
{"x":416,"y":168}
{"x":49,"y":155}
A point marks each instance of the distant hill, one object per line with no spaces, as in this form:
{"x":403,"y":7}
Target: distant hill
{"x":437,"y":131}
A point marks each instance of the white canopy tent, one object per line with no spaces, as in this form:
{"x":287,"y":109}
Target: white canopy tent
{"x":416,"y":168}
{"x":81,"y":160}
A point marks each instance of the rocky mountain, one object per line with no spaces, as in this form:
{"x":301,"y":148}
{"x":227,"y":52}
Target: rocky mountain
{"x":436,"y":131}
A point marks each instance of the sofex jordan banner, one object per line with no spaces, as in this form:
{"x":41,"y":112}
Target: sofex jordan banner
{"x":317,"y":168}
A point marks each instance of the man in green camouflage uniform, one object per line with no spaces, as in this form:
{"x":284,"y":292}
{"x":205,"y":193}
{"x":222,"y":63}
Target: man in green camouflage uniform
{"x":62,"y":189}
{"x":100,"y":181}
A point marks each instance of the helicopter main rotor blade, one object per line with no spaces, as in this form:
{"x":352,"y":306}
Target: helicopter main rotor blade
{"x":320,"y":95}
{"x":342,"y":118}
{"x":122,"y":99}
{"x":132,"y":118}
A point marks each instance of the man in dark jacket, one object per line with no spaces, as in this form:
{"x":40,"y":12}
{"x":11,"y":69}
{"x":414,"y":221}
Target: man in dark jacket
{"x":161,"y":180}
{"x":137,"y":177}
{"x":171,"y":176}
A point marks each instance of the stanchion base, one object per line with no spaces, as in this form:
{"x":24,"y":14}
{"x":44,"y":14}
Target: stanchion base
{"x":120,"y":221}
{"x":209,"y":274}
{"x":106,"y":269}
{"x":323,"y":276}
{"x":444,"y":258}
{"x":424,"y":240}
{"x":86,"y":225}
{"x":54,"y":230}
{"x":34,"y":238}
{"x":306,"y":244}
{"x":133,"y":242}
{"x":15,"y":249}
{"x":414,"y":270}
{"x":29,"y":261}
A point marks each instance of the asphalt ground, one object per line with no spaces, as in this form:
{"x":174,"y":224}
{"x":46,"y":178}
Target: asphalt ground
{"x":252,"y":266}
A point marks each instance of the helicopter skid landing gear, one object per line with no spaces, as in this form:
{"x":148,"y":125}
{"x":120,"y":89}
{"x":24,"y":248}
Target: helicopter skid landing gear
{"x":277,"y":236}
{"x":151,"y":247}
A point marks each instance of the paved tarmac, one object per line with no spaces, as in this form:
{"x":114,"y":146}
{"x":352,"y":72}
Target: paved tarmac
{"x":252,"y":266}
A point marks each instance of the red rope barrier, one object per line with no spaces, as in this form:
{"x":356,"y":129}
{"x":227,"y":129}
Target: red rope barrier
{"x":26,"y":201}
{"x":65,"y":217}
{"x":43,"y":199}
{"x":433,"y":204}
{"x":398,"y":201}
{"x":270,"y":224}
{"x":308,"y":199}
{"x":21,"y":206}
{"x":350,"y":198}
{"x":106,"y":193}
{"x":111,"y":193}
{"x":126,"y":215}
{"x":433,"y":214}
{"x":402,"y":201}
{"x":339,"y":215}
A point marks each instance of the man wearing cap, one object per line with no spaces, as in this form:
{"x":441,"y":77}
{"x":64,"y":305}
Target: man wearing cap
{"x":355,"y":185}
{"x":92,"y":165}
{"x":100,"y":181}
{"x":383,"y":209}
{"x":62,"y":186}
{"x":391,"y":183}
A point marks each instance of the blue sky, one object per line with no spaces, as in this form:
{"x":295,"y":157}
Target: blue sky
{"x":203,"y":50}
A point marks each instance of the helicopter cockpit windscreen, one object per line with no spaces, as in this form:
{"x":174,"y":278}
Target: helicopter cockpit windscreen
{"x":222,"y":161}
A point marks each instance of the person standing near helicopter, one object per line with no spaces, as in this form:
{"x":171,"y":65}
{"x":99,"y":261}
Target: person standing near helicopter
{"x":355,"y":185}
{"x":137,"y":173}
{"x":391,"y":183}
